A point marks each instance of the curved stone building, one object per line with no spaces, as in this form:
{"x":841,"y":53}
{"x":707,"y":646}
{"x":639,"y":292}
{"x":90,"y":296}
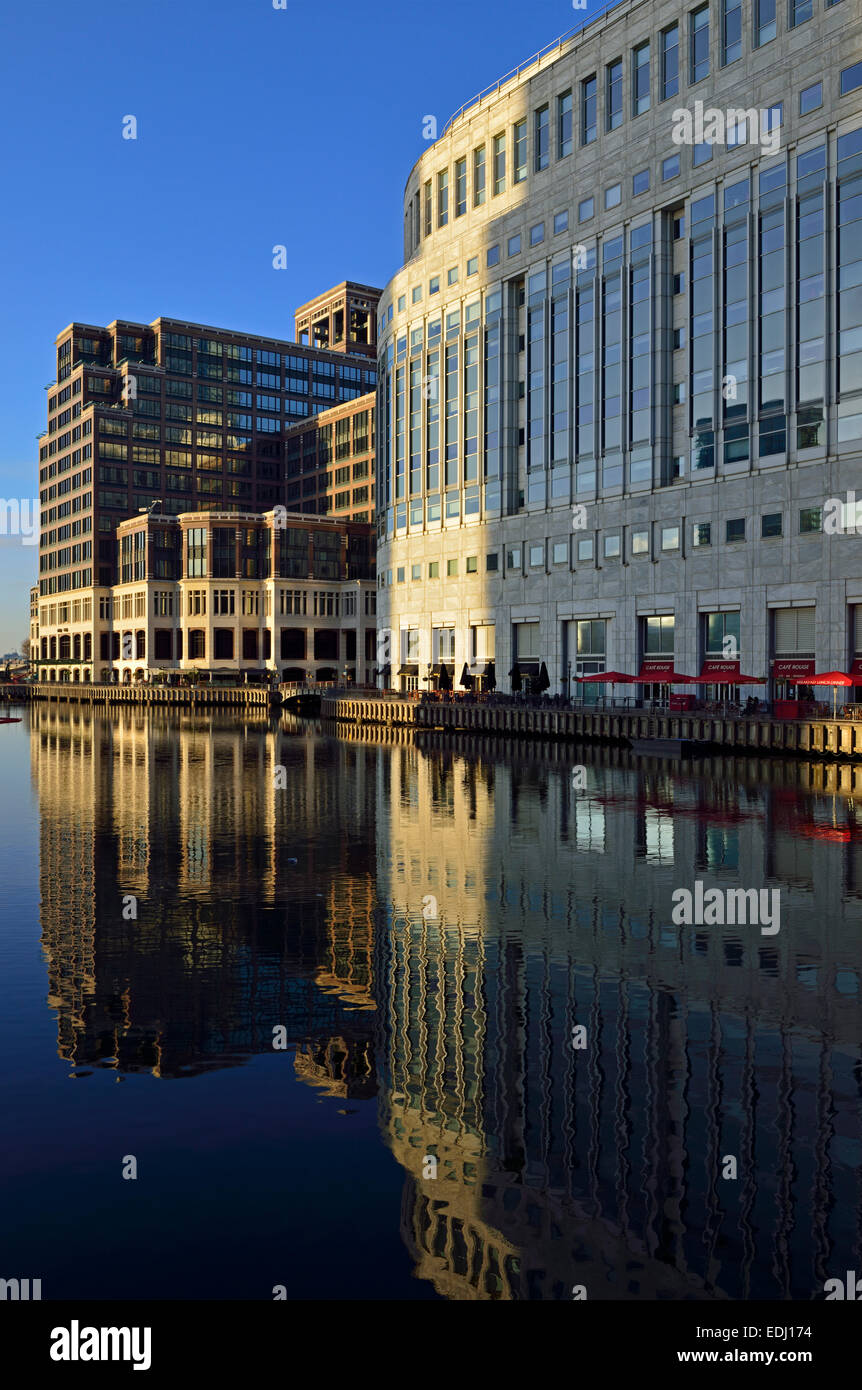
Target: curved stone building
{"x":620,"y":371}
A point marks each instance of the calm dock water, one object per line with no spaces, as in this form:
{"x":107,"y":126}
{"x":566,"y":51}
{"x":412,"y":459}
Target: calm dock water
{"x":426,"y":921}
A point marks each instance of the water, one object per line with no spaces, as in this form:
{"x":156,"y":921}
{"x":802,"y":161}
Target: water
{"x":414,"y":1035}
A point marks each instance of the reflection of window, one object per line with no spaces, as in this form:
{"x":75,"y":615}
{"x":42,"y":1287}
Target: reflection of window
{"x":670,"y":538}
{"x":640,"y":542}
{"x":722,"y":628}
{"x":612,"y":547}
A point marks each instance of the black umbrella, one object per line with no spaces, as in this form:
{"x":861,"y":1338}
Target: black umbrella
{"x":515,"y":673}
{"x":445,"y":681}
{"x":542,"y":681}
{"x":466,"y":680}
{"x":490,"y":677}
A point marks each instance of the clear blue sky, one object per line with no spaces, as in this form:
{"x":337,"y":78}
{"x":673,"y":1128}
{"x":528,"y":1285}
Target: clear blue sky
{"x":256,"y":127}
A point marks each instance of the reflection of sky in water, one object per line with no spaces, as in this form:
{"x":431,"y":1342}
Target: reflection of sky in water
{"x":449,"y":1036}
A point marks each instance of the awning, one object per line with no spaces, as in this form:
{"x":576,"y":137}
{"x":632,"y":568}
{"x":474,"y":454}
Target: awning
{"x":716,"y":670}
{"x":661,"y":671}
{"x":408,"y":670}
{"x":438,"y":668}
{"x":790,"y":668}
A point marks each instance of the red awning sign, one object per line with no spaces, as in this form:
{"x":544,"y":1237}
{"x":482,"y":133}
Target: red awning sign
{"x":856,"y":669}
{"x":659,"y":671}
{"x":718,"y":670}
{"x":793,"y":669}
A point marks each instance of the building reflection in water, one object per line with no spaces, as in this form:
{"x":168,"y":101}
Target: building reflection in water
{"x":556,"y":1167}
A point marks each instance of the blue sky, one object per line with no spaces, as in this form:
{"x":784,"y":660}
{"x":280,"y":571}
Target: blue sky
{"x":256,"y":127}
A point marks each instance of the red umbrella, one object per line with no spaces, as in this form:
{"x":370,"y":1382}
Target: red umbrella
{"x":833,"y":678}
{"x":609,"y":678}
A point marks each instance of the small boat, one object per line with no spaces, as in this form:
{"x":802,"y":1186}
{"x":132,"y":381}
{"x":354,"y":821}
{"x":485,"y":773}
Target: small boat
{"x":11,"y":720}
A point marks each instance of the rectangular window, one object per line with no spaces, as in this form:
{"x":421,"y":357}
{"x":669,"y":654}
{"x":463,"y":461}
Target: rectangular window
{"x":561,"y":222}
{"x":640,"y":182}
{"x":514,"y":245}
{"x":699,"y":44}
{"x":612,"y":547}
{"x":537,"y":234}
{"x":443,"y":198}
{"x":851,"y":78}
{"x":731,"y":31}
{"x":764,"y":21}
{"x":809,"y":520}
{"x":586,"y":209}
{"x":670,"y":62}
{"x":473,"y":265}
{"x":640,"y":79}
{"x":614,"y":94}
{"x":427,"y":211}
{"x":735,"y":530}
{"x":564,"y":125}
{"x":640,"y":542}
{"x":479,"y":176}
{"x":770,"y":525}
{"x":519,"y":147}
{"x":670,"y":538}
{"x":670,"y":167}
{"x":460,"y":187}
{"x":810,"y":98}
{"x":499,"y":164}
{"x":613,"y":195}
{"x":541,"y":138}
{"x":589,"y":104}
{"x":701,"y":533}
{"x":800,"y":11}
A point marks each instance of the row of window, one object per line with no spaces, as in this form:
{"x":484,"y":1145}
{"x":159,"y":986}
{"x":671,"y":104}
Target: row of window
{"x":643,"y":542}
{"x":672,"y":66}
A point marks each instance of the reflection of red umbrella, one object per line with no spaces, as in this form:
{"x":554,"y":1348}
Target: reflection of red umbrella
{"x":608,"y":678}
{"x":833,"y":678}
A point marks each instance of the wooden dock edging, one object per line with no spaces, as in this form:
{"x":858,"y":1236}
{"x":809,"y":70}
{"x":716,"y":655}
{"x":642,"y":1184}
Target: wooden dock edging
{"x":807,"y":737}
{"x":67,"y":692}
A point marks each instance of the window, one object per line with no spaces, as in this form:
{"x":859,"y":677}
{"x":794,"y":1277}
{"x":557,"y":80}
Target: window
{"x":585,"y":549}
{"x":443,"y":198}
{"x":472,"y":564}
{"x":473,"y":265}
{"x":701,"y":533}
{"x":499,"y":164}
{"x":417,"y":294}
{"x":800,"y":11}
{"x":493,"y":255}
{"x":810,"y":98}
{"x":612,"y":547}
{"x":434,"y":569}
{"x":452,"y":276}
{"x":613,"y":195}
{"x":519,"y":149}
{"x":537,"y":234}
{"x":640,"y":182}
{"x":670,"y":538}
{"x":492,"y":561}
{"x":770,"y":525}
{"x":537,"y":556}
{"x":564,"y":125}
{"x":699,"y":44}
{"x":679,"y":282}
{"x":734,"y":530}
{"x":701,"y":154}
{"x":399,"y":575}
{"x":809,"y":520}
{"x":640,"y":542}
{"x":764,"y":21}
{"x":679,"y":227}
{"x":731,"y":31}
{"x":586,"y":209}
{"x":851,"y":78}
{"x":434,"y":285}
{"x":514,"y":245}
{"x":460,"y":187}
{"x":659,"y":635}
{"x":513,"y":558}
{"x":561,"y":222}
{"x":479,"y":176}
{"x":589,"y":102}
{"x":415,"y":572}
{"x":640,"y":79}
{"x":614,"y":94}
{"x":670,"y":62}
{"x":561,"y":552}
{"x":678,"y":339}
{"x":541,"y":139}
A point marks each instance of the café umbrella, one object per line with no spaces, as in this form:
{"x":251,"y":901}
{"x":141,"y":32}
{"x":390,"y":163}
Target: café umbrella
{"x":833,"y":678}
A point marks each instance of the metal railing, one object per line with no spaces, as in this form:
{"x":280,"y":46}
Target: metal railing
{"x":555,"y":47}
